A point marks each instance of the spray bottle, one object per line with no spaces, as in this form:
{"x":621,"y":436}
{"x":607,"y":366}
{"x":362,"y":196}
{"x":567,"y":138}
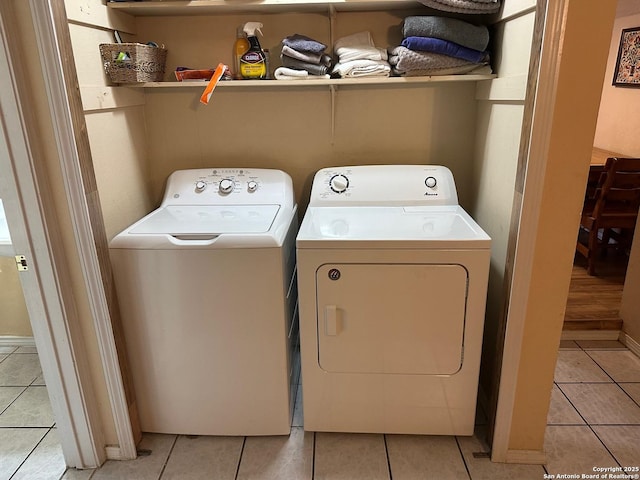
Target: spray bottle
{"x":240,"y":47}
{"x":253,"y":64}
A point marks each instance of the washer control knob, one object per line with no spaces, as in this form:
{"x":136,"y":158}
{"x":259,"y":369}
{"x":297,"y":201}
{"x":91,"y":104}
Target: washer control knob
{"x":430,"y":182}
{"x":226,"y":185}
{"x":200,"y":185}
{"x":252,"y":185}
{"x":338,"y":183}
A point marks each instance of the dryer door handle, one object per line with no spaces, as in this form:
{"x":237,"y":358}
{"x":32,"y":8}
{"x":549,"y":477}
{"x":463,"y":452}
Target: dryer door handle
{"x":332,"y":321}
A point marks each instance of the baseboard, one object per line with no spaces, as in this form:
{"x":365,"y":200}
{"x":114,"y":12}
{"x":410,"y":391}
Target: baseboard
{"x":529,"y":457}
{"x":114,"y":453}
{"x":590,"y":335}
{"x":630,"y":343}
{"x":13,"y":341}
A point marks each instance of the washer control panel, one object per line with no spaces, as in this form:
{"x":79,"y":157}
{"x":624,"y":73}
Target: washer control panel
{"x":220,"y":186}
{"x":384,"y":185}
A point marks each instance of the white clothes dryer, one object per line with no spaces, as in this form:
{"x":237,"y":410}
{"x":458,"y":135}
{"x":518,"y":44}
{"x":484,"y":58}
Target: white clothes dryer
{"x":207,"y":292}
{"x":392,"y":281}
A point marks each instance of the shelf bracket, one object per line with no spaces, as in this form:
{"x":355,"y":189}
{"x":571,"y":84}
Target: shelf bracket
{"x":334,"y":91}
{"x":332,"y":25}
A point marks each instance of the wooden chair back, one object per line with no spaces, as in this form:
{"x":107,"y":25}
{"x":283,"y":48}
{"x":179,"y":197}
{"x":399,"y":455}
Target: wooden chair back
{"x":618,"y":200}
{"x":611,"y":207}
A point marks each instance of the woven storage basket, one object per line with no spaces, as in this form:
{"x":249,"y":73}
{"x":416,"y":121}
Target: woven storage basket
{"x":142,"y":63}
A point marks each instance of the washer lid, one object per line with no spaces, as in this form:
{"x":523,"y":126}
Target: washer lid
{"x":207,"y":219}
{"x":390,"y":227}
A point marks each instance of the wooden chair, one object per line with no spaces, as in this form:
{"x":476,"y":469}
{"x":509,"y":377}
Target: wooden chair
{"x":595,"y":181}
{"x":612,"y":209}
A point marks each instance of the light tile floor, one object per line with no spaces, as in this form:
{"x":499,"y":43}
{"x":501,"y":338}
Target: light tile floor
{"x":594,"y":421}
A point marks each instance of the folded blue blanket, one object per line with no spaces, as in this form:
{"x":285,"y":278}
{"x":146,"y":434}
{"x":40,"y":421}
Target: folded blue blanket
{"x":444,"y":47}
{"x":457,"y":31}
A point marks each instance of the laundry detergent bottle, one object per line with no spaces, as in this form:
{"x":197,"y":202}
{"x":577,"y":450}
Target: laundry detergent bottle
{"x":253,"y":64}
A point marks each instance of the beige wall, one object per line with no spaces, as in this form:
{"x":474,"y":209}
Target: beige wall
{"x":14,"y":318}
{"x":114,"y":117}
{"x":617,"y":130}
{"x":619,"y":116}
{"x":499,"y":121}
{"x":630,"y":306}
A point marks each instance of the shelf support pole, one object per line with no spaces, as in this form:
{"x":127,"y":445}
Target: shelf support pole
{"x":332,"y":25}
{"x":334,"y":90}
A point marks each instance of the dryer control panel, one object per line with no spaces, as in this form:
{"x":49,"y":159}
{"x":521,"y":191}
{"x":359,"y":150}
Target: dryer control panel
{"x":406,"y":185}
{"x":229,"y":186}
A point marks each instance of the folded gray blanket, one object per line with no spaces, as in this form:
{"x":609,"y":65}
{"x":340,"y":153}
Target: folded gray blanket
{"x":462,"y":69}
{"x":464,"y":6}
{"x":463,"y":33}
{"x":300,"y":65}
{"x":315,"y":58}
{"x":404,"y":60}
{"x":303,"y":43}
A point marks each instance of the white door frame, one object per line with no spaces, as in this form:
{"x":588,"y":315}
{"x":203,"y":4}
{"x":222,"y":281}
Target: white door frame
{"x":47,"y":291}
{"x":51,"y":58}
{"x":528,"y":222}
{"x":48,"y":300}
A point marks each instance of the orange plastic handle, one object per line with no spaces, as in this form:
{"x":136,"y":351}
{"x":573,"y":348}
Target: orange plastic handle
{"x":206,"y":95}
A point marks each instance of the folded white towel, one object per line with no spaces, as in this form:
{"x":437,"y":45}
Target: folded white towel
{"x":363,"y":68}
{"x":284,"y":73}
{"x":359,"y":39}
{"x":361,"y":52}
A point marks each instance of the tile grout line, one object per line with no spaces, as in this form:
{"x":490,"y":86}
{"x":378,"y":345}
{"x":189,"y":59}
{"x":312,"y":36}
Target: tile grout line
{"x":244,"y":441}
{"x":30,"y":452}
{"x":574,"y":407}
{"x":464,"y":461}
{"x":313,"y":457}
{"x":24,"y":389}
{"x":166,"y":462}
{"x":605,"y":446}
{"x":386,"y":452}
{"x":589,"y":425}
{"x":627,"y":393}
{"x":612,"y":379}
{"x":599,"y":366}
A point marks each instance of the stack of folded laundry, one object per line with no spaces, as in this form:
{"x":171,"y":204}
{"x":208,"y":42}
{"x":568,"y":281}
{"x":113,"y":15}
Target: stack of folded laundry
{"x":303,"y":58}
{"x":464,"y":6}
{"x":434,"y":45}
{"x":359,"y":57}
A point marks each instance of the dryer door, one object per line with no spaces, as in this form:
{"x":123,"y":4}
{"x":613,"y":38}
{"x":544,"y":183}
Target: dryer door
{"x":391,"y":318}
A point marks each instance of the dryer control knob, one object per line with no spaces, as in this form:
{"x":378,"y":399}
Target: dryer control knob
{"x":252,"y":186}
{"x":226,"y":185}
{"x":200,"y":185}
{"x":430,"y":182}
{"x":339,"y":183}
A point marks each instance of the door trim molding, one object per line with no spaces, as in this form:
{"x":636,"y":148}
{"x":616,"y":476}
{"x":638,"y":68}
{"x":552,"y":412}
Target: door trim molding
{"x":51,"y":58}
{"x":527,"y":224}
{"x":48,"y":297}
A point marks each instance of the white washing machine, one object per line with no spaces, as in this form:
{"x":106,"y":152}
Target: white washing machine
{"x":207,"y":291}
{"x":392,"y":281}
